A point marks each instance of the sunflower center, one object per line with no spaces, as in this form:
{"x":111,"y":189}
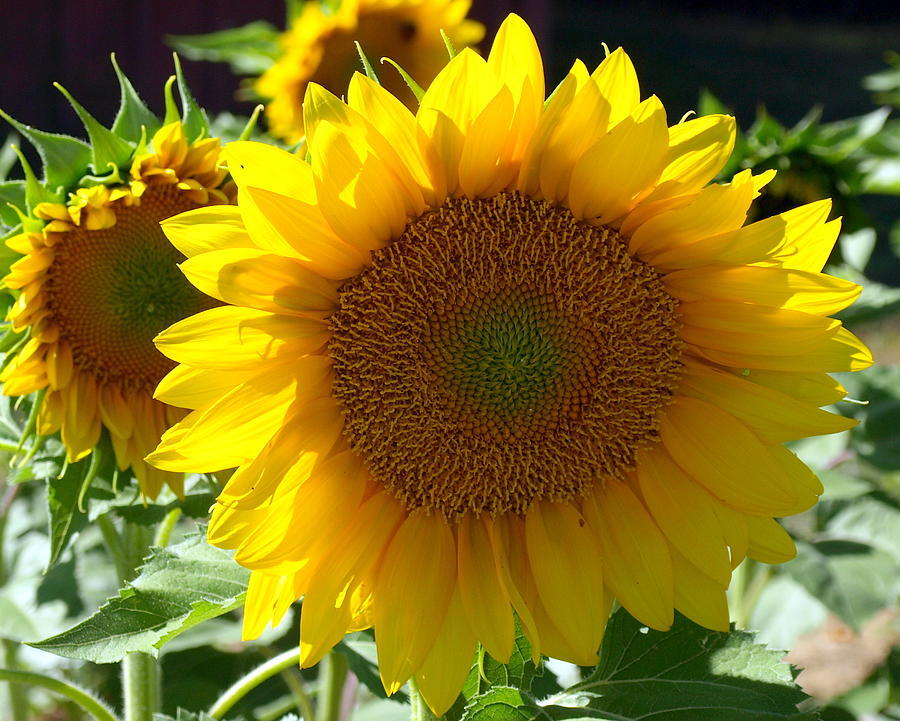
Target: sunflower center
{"x":111,"y":291}
{"x":499,"y":353}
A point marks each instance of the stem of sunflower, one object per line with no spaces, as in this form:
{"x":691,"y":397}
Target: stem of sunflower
{"x":94,"y":707}
{"x":331,"y":686}
{"x":140,"y":671}
{"x":419,"y":710}
{"x":246,"y":684}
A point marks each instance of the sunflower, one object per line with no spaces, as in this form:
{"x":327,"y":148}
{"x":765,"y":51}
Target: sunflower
{"x":319,"y":46}
{"x":96,"y":282}
{"x":501,"y":357}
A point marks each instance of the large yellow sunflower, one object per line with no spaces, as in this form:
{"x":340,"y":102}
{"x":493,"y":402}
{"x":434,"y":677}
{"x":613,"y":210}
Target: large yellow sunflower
{"x":319,"y":46}
{"x":96,"y":283}
{"x":501,"y":356}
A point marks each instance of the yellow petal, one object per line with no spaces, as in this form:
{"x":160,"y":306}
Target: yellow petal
{"x":330,"y":594}
{"x":699,"y":597}
{"x":398,"y":126}
{"x":262,"y":590}
{"x":698,"y":149}
{"x":114,"y":411}
{"x":581,"y":123}
{"x":485,"y":165}
{"x":361,"y":200}
{"x":769,"y":542}
{"x":228,"y":527}
{"x":632,"y":154}
{"x":289,"y":458}
{"x":304,"y":228}
{"x":307,"y":513}
{"x":188,"y":387}
{"x":818,"y":389}
{"x":483,"y":597}
{"x":556,"y":108}
{"x":204,"y":229}
{"x":780,"y":288}
{"x":413,"y":590}
{"x":716,"y":209}
{"x":635,"y":555}
{"x":713,"y":447}
{"x":219,"y":437}
{"x":445,"y":669}
{"x":264,"y":166}
{"x":773,"y":416}
{"x":234,"y":338}
{"x":735,"y":531}
{"x":750,"y":336}
{"x":516,"y":60}
{"x":617,"y":81}
{"x":568,"y":570}
{"x":781,"y":237}
{"x":684,"y":512}
{"x":256,"y":279}
{"x":449,"y":107}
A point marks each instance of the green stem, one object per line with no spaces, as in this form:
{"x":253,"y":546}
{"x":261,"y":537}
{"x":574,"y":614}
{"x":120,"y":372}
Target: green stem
{"x":164,"y":532}
{"x":94,"y":707}
{"x":294,"y":682}
{"x":140,"y":686}
{"x":18,"y":697}
{"x":335,"y":668}
{"x":114,"y":545}
{"x":246,"y":684}
{"x":140,"y":671}
{"x":419,"y":710}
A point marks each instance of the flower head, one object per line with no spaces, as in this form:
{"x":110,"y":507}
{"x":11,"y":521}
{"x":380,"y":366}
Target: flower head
{"x":319,"y":47}
{"x":501,"y":356}
{"x":96,"y":281}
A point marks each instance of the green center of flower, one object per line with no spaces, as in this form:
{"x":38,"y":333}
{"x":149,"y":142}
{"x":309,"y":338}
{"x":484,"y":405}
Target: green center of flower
{"x":111,"y":291}
{"x":500,"y":352}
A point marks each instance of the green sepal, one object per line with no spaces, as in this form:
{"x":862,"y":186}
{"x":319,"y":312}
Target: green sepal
{"x":407,"y":78}
{"x":448,"y":43}
{"x":12,"y":195}
{"x":133,"y":116}
{"x":247,"y":132}
{"x":193,"y":118}
{"x":367,"y":66}
{"x":107,"y":148}
{"x":65,"y":158}
{"x":172,"y":114}
{"x":114,"y":178}
{"x":8,"y":155}
{"x":35,"y":191}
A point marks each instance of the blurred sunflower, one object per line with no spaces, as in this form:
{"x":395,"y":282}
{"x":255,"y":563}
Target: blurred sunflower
{"x":501,"y":356}
{"x":97,"y":280}
{"x":319,"y":47}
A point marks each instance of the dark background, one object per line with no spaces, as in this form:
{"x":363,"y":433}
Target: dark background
{"x":787,"y":56}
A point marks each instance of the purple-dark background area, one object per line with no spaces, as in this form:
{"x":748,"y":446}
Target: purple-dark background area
{"x":788,"y":56}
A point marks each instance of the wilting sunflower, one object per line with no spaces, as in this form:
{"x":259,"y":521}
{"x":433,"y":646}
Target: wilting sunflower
{"x":501,"y":356}
{"x":319,"y":46}
{"x":96,"y":282}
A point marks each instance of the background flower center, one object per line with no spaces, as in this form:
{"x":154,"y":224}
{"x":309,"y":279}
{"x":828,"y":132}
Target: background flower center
{"x":111,"y":291}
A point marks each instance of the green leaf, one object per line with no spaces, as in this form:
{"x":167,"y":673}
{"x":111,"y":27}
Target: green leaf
{"x":872,"y":520}
{"x":249,"y":50}
{"x":177,"y":588}
{"x":62,"y":502}
{"x":192,"y":117}
{"x":853,"y":579}
{"x":503,"y":703}
{"x":12,"y":192}
{"x":107,"y":149}
{"x":686,"y":674}
{"x":359,"y":648}
{"x":65,"y":158}
{"x":487,"y":672}
{"x":133,"y":113}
